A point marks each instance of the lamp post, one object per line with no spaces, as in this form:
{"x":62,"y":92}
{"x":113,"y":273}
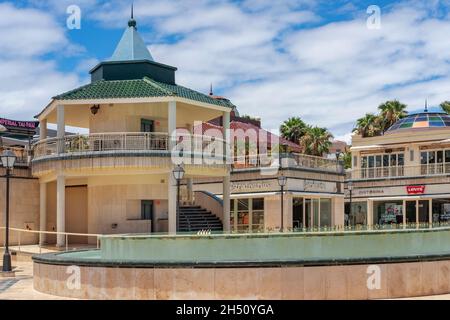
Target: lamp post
{"x":338,"y":156}
{"x":282,"y":180}
{"x":178,"y":174}
{"x":8,"y":159}
{"x":350,"y":190}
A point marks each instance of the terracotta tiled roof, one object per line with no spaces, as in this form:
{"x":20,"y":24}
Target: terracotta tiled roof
{"x":235,"y":125}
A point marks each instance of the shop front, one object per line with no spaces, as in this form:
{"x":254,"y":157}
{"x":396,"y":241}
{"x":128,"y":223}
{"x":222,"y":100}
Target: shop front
{"x":257,"y":204}
{"x":399,"y":205}
{"x":311,"y":212}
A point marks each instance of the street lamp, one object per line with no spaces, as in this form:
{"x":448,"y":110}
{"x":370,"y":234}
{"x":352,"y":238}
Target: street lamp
{"x":350,"y":190}
{"x":282,"y":180}
{"x":8,"y":159}
{"x":178,"y":174}
{"x":338,"y":157}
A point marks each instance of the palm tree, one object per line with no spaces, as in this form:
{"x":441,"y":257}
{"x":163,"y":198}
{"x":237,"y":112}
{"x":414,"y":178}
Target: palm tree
{"x":293,"y":129}
{"x":391,"y":112}
{"x":316,"y":141}
{"x":368,"y":126}
{"x":445,"y":106}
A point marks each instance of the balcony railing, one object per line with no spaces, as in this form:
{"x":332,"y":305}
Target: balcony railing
{"x":101,"y":142}
{"x":289,"y":160}
{"x":128,"y":142}
{"x":198,"y":146}
{"x":434,"y":169}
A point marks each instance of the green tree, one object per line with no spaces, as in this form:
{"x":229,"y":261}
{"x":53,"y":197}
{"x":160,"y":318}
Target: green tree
{"x":445,"y":106}
{"x":347,"y":159}
{"x":293,"y":129}
{"x":390,"y":112}
{"x":369,"y":125}
{"x":316,"y":141}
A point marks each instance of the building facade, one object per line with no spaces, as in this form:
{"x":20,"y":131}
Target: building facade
{"x":403,"y":176}
{"x":119,"y":178}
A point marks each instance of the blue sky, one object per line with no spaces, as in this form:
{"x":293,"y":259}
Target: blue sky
{"x":273,"y":59}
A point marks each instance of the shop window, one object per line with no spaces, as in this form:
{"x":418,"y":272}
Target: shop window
{"x":389,"y":212}
{"x":257,"y":214}
{"x":441,"y":210}
{"x":358,"y":215}
{"x":243,"y":215}
{"x":247,"y":214}
{"x":325,"y":212}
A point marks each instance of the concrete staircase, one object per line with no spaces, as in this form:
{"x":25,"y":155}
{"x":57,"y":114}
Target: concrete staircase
{"x":195,"y":218}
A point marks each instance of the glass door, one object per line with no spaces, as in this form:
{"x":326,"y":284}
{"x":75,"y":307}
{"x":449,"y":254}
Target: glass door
{"x":410,"y":212}
{"x":308,"y":213}
{"x":316,"y":208}
{"x":147,"y":125}
{"x":312,"y":209}
{"x":297,"y":213}
{"x":423,"y":211}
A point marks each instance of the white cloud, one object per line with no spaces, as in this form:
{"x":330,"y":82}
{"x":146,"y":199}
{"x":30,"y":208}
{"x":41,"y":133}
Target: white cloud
{"x":27,"y":80}
{"x":280,"y":59}
{"x":329,"y":74}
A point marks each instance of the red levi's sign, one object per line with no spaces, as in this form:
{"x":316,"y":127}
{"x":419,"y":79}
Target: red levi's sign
{"x":415,"y":189}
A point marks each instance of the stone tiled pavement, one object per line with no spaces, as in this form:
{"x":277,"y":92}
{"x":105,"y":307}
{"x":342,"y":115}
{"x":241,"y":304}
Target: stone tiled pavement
{"x":21,"y":286}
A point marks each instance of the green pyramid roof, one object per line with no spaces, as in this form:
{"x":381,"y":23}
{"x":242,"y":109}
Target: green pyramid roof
{"x":131,"y":46}
{"x":139,"y":88}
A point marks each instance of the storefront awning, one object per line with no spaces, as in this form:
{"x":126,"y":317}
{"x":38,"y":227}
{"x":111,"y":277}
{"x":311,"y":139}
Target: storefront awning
{"x":319,"y":195}
{"x":408,"y":198}
{"x":372,"y":147}
{"x":273,"y":193}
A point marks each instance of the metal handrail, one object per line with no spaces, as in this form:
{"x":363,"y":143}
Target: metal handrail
{"x":120,"y":141}
{"x":66,"y":234}
{"x":290,"y":160}
{"x":399,"y":171}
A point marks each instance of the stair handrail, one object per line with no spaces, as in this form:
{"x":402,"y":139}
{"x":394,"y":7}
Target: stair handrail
{"x":211,"y":195}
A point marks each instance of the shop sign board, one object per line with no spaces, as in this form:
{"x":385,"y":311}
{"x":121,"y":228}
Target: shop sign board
{"x":415,"y":189}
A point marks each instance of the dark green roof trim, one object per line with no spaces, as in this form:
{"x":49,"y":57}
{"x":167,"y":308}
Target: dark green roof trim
{"x":141,"y":88}
{"x":131,"y":62}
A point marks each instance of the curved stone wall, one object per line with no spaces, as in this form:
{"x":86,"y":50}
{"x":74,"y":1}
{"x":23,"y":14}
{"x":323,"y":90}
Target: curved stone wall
{"x":399,"y":279}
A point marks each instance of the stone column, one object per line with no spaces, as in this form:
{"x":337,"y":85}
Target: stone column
{"x":60,"y":209}
{"x":171,"y":182}
{"x":43,"y":129}
{"x":226,"y":179}
{"x":369,"y":214}
{"x":61,"y":128}
{"x":42,"y":211}
{"x":404,"y":214}
{"x":430,"y":213}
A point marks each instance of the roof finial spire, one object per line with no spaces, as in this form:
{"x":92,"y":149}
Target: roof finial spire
{"x":426,"y":105}
{"x":211,"y":90}
{"x":132,"y":22}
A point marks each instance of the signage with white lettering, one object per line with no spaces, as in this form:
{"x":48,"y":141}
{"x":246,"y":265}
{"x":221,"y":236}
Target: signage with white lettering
{"x":415,"y":189}
{"x":14,"y":124}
